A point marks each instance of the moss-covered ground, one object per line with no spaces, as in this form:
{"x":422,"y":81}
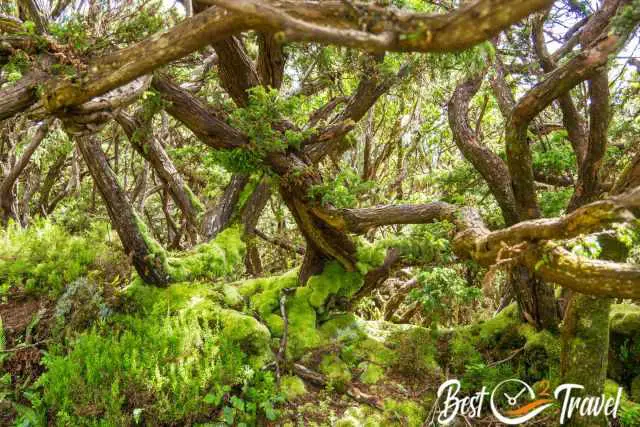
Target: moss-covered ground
{"x":204,"y":351}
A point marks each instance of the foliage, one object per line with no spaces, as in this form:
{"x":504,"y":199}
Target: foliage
{"x":343,"y":191}
{"x":443,"y":288}
{"x":17,"y":66}
{"x":73,"y":33}
{"x":177,"y":358}
{"x":44,"y":257}
{"x":554,"y":203}
{"x":557,"y":161}
{"x":211,"y":260}
{"x":263,"y":120}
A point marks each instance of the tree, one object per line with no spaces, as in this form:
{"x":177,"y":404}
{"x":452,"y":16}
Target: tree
{"x":158,"y":87}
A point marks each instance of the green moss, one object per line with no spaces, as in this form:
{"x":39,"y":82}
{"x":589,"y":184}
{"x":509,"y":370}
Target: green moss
{"x":360,"y":416}
{"x":625,"y":319}
{"x":264,"y":293}
{"x":406,"y":413}
{"x":629,"y":413}
{"x":231,"y":296}
{"x":292,"y":387}
{"x":541,"y":356}
{"x":210,"y":260}
{"x":303,"y":333}
{"x":490,"y":332}
{"x":275,"y":324}
{"x":155,"y":249}
{"x":177,"y":347}
{"x":336,"y":370}
{"x":361,"y":340}
{"x":195,"y":202}
{"x":371,"y":373}
{"x":463,"y":352}
{"x":251,"y":336}
{"x":334,"y":280}
{"x":44,"y":258}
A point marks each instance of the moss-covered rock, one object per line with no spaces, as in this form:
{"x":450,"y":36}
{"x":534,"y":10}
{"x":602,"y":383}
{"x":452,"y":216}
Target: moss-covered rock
{"x":292,"y":387}
{"x":625,"y":319}
{"x":624,"y":344}
{"x":334,"y":280}
{"x":395,"y":413}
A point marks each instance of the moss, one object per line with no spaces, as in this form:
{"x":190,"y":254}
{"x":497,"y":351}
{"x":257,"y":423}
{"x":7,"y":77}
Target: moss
{"x":264,"y":293}
{"x":303,"y":334}
{"x":490,"y":332}
{"x":334,"y":280}
{"x":629,"y":413}
{"x":462,"y":352}
{"x":252,"y":337}
{"x":360,"y":416}
{"x":275,"y":324}
{"x":292,"y":387}
{"x":585,"y":341}
{"x":156,"y":250}
{"x":336,"y":370}
{"x":416,"y":353}
{"x":230,"y":296}
{"x":406,"y":413}
{"x":195,"y":202}
{"x":625,"y":319}
{"x":211,"y":260}
{"x":361,"y":340}
{"x":371,"y":373}
{"x":541,"y":358}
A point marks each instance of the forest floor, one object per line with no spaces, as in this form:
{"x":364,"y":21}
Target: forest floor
{"x":266,"y":351}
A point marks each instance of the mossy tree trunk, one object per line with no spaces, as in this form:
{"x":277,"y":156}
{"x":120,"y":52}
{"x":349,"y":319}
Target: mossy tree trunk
{"x":146,"y":255}
{"x":585,"y":348}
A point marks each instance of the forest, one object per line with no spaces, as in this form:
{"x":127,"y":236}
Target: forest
{"x":319,"y":213}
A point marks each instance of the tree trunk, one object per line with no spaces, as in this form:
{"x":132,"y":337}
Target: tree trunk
{"x":249,"y":216}
{"x":153,"y":152}
{"x":138,"y":244}
{"x":7,"y":195}
{"x":219,"y":217}
{"x":585,"y":337}
{"x":535,"y":298}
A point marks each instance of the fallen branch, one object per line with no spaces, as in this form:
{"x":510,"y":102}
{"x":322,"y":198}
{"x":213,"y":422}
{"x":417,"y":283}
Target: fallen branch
{"x":352,"y":391}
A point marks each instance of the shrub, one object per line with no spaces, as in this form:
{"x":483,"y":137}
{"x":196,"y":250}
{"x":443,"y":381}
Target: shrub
{"x":181,"y":359}
{"x":44,"y":258}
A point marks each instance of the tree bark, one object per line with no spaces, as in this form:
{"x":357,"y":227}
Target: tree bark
{"x":219,"y":216}
{"x":148,"y":146}
{"x":138,"y":244}
{"x":7,"y":196}
{"x":249,"y":216}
